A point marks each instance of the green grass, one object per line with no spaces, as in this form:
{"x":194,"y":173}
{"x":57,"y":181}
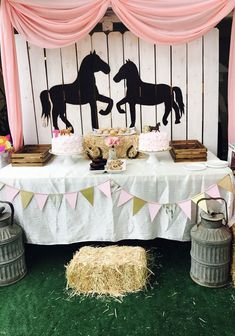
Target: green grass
{"x":172,"y":305}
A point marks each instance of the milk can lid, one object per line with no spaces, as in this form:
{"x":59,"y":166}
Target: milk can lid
{"x":213,"y":216}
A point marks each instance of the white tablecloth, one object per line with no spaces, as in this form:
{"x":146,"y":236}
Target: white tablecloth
{"x":168,"y":183}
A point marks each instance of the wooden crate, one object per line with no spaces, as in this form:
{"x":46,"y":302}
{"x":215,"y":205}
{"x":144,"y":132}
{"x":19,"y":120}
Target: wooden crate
{"x":31,"y":155}
{"x":188,"y":151}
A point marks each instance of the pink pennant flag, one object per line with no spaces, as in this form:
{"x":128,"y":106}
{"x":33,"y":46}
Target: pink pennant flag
{"x":153,"y":210}
{"x":105,"y":188}
{"x":124,"y":197}
{"x":10,"y":193}
{"x":72,"y":199}
{"x":186,"y":207}
{"x":41,"y":200}
{"x":213,"y":191}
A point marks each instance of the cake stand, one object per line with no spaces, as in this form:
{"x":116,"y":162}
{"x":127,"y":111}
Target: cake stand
{"x":68,"y":158}
{"x":153,"y":156}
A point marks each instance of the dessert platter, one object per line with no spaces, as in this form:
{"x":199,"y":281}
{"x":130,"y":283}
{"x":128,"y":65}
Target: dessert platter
{"x":100,"y":166}
{"x":116,"y":131}
{"x":115,"y":166}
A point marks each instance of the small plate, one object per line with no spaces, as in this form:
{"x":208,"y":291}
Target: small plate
{"x":195,"y":166}
{"x":132,"y":131}
{"x":97,"y":171}
{"x":217,"y":164}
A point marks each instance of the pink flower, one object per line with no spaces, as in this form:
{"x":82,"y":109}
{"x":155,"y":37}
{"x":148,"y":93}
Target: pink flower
{"x":112,"y":141}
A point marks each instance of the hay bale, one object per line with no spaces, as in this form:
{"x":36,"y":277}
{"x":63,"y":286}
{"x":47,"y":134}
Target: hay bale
{"x":111,"y":270}
{"x":92,"y":141}
{"x":233,"y":256}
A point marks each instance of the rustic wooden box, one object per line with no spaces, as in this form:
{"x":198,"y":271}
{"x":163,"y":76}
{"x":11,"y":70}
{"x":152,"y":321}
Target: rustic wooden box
{"x":188,"y":151}
{"x":31,"y":155}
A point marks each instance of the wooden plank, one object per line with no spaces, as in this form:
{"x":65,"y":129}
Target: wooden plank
{"x":163,"y":76}
{"x":99,"y":44}
{"x":83,"y":49}
{"x":115,"y":48}
{"x":195,"y":90}
{"x":179,"y":80}
{"x":211,"y":87}
{"x":39,"y":83}
{"x":70,"y":73}
{"x":131,"y":51}
{"x":54,"y":74}
{"x":27,"y":104}
{"x":147,"y":74}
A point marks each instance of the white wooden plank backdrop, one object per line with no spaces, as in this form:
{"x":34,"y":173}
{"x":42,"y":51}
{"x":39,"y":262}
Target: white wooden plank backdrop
{"x":193,"y":67}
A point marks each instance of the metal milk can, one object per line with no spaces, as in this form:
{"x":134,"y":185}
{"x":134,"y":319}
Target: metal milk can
{"x":210,"y":248}
{"x":12,"y":260}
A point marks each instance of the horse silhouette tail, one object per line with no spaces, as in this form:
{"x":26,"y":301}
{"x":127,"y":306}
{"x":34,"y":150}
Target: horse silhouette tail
{"x":46,"y":106}
{"x":179,"y":99}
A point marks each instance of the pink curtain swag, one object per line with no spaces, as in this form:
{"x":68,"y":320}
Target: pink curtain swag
{"x":58,"y":23}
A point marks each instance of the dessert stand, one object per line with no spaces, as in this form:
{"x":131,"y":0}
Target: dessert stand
{"x":153,"y":156}
{"x":68,"y":158}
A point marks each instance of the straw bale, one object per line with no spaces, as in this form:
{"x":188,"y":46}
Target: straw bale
{"x":233,"y":256}
{"x":111,"y":270}
{"x":92,"y":142}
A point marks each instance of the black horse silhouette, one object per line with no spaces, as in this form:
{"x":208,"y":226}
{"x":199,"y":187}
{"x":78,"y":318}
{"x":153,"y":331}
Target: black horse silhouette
{"x":139,"y":92}
{"x":82,"y":91}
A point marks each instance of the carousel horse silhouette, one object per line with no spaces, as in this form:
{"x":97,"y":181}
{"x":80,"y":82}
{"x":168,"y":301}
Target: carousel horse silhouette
{"x":82,"y":91}
{"x":139,"y":92}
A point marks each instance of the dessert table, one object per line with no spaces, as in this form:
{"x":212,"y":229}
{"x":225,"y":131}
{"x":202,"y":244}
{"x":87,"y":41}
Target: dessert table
{"x":57,"y":223}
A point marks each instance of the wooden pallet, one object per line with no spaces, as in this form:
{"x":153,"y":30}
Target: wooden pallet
{"x":31,"y":155}
{"x":188,"y":151}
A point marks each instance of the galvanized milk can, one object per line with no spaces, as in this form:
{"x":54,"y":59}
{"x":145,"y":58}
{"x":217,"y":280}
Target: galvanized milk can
{"x":12,"y":260}
{"x":210,"y":249}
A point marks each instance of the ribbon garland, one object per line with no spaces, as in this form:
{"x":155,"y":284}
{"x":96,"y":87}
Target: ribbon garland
{"x":124,"y":197}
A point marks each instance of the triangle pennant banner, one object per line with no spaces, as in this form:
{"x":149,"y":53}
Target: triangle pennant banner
{"x":153,"y":210}
{"x":226,"y":184}
{"x":138,"y":204}
{"x":88,"y":193}
{"x":105,"y":188}
{"x":56,"y":199}
{"x":186,"y":207}
{"x":41,"y":200}
{"x":10,"y":193}
{"x":213,"y":191}
{"x":26,"y":197}
{"x":124,"y":197}
{"x":71,"y":199}
{"x":202,"y":204}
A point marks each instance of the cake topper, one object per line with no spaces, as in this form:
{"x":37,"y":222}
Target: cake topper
{"x":139,"y":92}
{"x":155,"y":128}
{"x":82,"y":91}
{"x":66,"y":131}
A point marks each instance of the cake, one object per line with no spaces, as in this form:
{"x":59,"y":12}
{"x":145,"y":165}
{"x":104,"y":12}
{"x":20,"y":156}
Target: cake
{"x":64,"y":142}
{"x":153,"y":141}
{"x":98,"y":164}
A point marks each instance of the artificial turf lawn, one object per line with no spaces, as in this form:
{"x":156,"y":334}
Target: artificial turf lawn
{"x":172,"y":305}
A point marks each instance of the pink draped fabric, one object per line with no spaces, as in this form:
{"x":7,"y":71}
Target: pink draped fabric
{"x":57,"y":23}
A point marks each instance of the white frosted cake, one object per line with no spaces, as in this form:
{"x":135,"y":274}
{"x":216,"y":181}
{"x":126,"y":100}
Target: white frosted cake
{"x":153,"y":141}
{"x":66,"y":144}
